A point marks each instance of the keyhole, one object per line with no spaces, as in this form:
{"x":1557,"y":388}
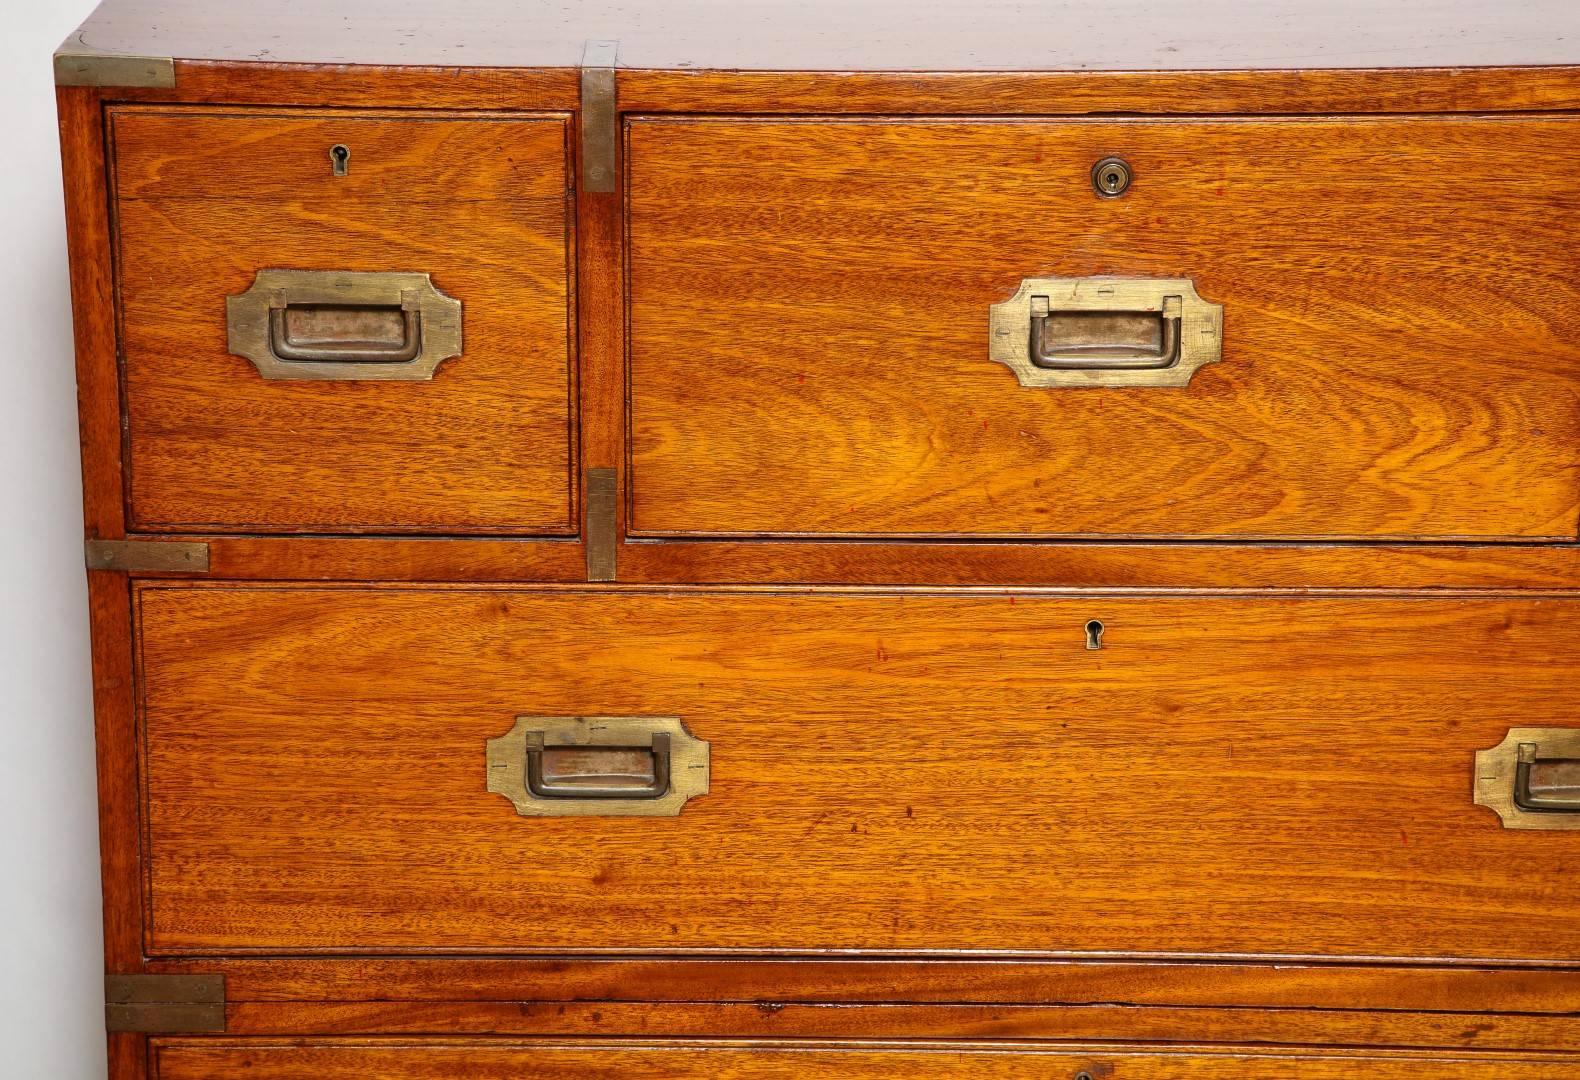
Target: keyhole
{"x":1094,"y":634}
{"x":1111,"y":177}
{"x":340,"y":157}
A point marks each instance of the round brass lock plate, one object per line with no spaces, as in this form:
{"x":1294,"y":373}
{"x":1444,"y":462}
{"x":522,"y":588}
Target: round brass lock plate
{"x":1111,"y":177}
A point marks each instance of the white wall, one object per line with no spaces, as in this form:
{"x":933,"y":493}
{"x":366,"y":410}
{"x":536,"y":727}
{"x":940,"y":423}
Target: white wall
{"x":51,"y":968}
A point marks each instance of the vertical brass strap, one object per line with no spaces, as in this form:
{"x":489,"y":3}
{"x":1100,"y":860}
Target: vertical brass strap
{"x":598,"y":116}
{"x":601,"y":524}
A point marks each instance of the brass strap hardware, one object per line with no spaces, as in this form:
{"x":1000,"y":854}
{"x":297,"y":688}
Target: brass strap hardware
{"x":598,"y":766}
{"x":1105,"y":332}
{"x":313,"y":324}
{"x":601,"y":525}
{"x":164,"y":1003}
{"x":79,"y":64}
{"x":148,"y":556}
{"x":1531,"y":780}
{"x":599,"y":116}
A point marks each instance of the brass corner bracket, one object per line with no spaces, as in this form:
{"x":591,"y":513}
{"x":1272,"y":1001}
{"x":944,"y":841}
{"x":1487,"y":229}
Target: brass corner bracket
{"x":79,"y":64}
{"x":159,"y":1004}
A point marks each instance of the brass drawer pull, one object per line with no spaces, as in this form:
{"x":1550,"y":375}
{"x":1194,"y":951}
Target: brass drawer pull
{"x":364,"y":339}
{"x":597,"y":772}
{"x":565,"y":766}
{"x":1105,"y":332}
{"x":1103,"y":340}
{"x":1546,"y":785}
{"x":1532,"y":778}
{"x":311,"y":324}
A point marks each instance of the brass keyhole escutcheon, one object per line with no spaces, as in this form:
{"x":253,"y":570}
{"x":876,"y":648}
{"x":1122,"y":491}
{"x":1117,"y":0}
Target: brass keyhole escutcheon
{"x":1094,"y":634}
{"x":1111,"y":177}
{"x":340,"y":158}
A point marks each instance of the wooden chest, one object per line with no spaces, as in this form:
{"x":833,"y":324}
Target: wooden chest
{"x":786,"y":539}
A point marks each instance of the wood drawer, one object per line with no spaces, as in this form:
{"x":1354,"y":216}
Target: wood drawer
{"x":178,"y":1059}
{"x":809,"y":303}
{"x":204,"y":200}
{"x":890,"y":773}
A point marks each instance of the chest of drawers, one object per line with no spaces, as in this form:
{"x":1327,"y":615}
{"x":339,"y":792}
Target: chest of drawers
{"x":890,"y":541}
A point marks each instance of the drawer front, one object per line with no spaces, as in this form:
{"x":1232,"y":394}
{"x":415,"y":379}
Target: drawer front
{"x":477,"y":1060}
{"x":217,"y":441}
{"x":889,"y":773}
{"x":809,"y":328}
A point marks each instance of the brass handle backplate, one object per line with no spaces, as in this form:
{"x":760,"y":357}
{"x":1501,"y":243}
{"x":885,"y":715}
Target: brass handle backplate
{"x":1105,"y":332}
{"x":1532,"y":778}
{"x":315,"y":324}
{"x":598,"y":766}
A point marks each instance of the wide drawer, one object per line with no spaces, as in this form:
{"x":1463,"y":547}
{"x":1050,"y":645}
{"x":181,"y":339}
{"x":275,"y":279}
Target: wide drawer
{"x":888,"y":773}
{"x":178,"y":1059}
{"x":397,"y":355}
{"x":809,"y":328}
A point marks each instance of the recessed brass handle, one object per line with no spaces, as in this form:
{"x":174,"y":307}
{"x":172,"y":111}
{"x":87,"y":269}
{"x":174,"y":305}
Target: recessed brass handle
{"x":1105,"y":340}
{"x":313,"y":324}
{"x":1546,"y":786}
{"x":1105,"y":332}
{"x":598,"y":766}
{"x":364,"y":334}
{"x":598,"y":772}
{"x":1531,"y":780}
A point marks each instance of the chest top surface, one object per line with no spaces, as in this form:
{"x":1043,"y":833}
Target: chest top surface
{"x":839,"y":35}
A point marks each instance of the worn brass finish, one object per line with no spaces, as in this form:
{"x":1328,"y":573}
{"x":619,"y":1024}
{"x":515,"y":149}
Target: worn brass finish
{"x":314,"y":324}
{"x":1111,"y":177}
{"x":613,"y":785}
{"x":601,"y":525}
{"x":599,"y":116}
{"x":1530,"y":779}
{"x":152,"y":556}
{"x":1105,"y":332}
{"x":164,"y":1003}
{"x":80,"y":64}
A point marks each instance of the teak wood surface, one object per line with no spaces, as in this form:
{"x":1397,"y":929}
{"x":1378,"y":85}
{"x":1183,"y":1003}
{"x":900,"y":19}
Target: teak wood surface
{"x":1345,"y":811}
{"x":204,"y":200}
{"x":193,"y":1059}
{"x":808,"y":329}
{"x":891,"y":774}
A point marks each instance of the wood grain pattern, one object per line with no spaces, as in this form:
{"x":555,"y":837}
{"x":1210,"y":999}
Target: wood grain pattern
{"x":481,"y":203}
{"x":1259,"y":1026}
{"x":1123,"y":35}
{"x":808,"y":329}
{"x":1106,"y":565}
{"x":601,"y":323}
{"x":116,"y":745}
{"x":221,"y":1059}
{"x":767,"y":982}
{"x":371,"y":86}
{"x":88,"y":243}
{"x":1066,"y":93}
{"x":892,"y":773}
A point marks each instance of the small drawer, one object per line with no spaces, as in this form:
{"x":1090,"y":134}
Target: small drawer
{"x":476,"y":1059}
{"x":1350,"y":328}
{"x":340,"y":322}
{"x":540,"y":771}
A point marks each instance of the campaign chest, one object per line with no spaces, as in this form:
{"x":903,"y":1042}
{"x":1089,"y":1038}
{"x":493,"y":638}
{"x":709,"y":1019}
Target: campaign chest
{"x":705,"y":540}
